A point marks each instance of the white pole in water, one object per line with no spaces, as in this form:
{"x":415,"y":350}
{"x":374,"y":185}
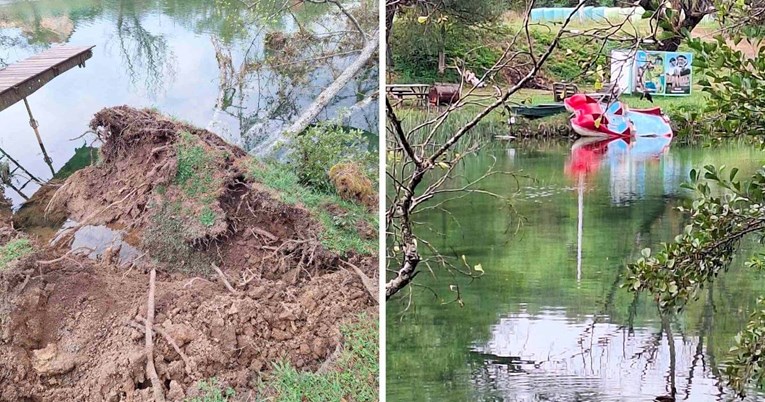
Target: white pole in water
{"x":579,"y":230}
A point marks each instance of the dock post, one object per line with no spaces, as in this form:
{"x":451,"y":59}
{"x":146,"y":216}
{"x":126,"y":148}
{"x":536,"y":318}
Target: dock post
{"x":33,"y":124}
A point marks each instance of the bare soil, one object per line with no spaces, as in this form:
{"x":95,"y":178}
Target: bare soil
{"x":70,"y":327}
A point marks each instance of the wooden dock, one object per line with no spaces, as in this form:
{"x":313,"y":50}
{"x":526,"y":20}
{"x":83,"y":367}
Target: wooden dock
{"x":21,"y":79}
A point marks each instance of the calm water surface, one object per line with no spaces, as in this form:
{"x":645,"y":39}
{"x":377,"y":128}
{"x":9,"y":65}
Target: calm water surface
{"x":204,"y":62}
{"x":549,"y":320}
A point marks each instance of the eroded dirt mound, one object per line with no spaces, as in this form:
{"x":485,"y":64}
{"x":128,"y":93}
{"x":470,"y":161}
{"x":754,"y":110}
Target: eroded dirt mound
{"x":70,"y":327}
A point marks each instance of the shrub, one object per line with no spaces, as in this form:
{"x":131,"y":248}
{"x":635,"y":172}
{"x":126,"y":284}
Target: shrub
{"x":321,"y":146}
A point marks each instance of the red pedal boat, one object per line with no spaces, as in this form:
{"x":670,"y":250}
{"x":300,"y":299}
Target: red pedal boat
{"x":616,"y":120}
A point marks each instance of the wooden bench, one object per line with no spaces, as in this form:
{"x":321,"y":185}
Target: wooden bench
{"x":562,"y":90}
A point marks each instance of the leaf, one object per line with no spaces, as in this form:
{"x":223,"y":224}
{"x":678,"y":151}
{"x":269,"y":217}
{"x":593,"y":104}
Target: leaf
{"x":422,"y":19}
{"x":597,"y":121}
{"x":598,"y":85}
{"x":646,"y":252}
{"x":443,"y":165}
{"x":479,"y":268}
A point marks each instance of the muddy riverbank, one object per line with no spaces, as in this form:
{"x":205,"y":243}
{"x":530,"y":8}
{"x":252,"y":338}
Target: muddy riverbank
{"x":71,"y":321}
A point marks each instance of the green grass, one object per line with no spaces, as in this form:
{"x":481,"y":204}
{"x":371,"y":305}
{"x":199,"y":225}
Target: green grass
{"x":194,"y":176}
{"x":13,"y":250}
{"x":212,"y":392}
{"x":353,"y":378}
{"x":195,"y":166}
{"x":340,"y":237}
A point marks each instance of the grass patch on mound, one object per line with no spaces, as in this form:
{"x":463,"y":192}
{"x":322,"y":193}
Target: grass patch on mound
{"x":339,"y":235}
{"x":354,"y":376}
{"x":167,"y":245}
{"x":195,"y":175}
{"x":13,"y":250}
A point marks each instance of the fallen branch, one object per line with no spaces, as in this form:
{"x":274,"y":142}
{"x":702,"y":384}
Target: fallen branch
{"x":223,"y":278}
{"x":368,"y":284}
{"x":65,"y":256}
{"x":321,"y":101}
{"x":151,"y":371}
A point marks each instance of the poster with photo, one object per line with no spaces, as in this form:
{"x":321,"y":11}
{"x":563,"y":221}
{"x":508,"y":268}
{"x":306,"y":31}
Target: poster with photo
{"x":649,"y":72}
{"x":678,"y":73}
{"x":663,"y":73}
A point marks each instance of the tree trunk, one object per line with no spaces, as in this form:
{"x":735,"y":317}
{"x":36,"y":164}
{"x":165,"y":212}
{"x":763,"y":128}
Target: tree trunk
{"x":671,"y":44}
{"x":390,"y":14}
{"x":331,"y":91}
{"x":442,"y":51}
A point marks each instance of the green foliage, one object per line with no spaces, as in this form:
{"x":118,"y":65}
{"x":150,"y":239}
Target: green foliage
{"x":735,"y":87}
{"x":194,"y":176}
{"x":13,"y":250}
{"x":717,"y":222}
{"x":355,"y":376}
{"x":213,"y":393}
{"x":415,"y":49}
{"x":724,"y":211}
{"x":746,"y":364}
{"x":336,"y":237}
{"x":322,"y":146}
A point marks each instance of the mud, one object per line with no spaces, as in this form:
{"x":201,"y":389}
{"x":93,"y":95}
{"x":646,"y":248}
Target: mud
{"x":70,"y":325}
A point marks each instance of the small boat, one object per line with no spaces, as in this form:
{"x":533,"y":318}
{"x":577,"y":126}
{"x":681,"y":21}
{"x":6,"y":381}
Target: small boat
{"x":594,"y":119}
{"x":539,"y":110}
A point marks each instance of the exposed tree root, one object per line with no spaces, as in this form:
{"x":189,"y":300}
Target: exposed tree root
{"x":151,"y":371}
{"x":223,"y":278}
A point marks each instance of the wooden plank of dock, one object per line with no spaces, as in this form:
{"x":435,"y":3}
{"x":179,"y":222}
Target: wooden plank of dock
{"x":21,"y":79}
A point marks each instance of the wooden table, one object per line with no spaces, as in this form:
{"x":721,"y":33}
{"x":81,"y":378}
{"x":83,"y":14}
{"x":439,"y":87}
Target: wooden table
{"x":400,"y":92}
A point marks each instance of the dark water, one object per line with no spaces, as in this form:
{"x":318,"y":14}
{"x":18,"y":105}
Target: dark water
{"x":204,"y":62}
{"x":549,"y":320}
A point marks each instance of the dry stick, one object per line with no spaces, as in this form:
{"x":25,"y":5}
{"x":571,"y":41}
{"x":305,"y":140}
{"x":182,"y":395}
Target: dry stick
{"x":365,"y":281}
{"x":151,"y":371}
{"x":171,"y":341}
{"x":65,"y":256}
{"x":223,"y":278}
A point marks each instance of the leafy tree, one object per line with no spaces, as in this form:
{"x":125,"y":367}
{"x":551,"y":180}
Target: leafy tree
{"x":433,"y":18}
{"x":726,"y":209}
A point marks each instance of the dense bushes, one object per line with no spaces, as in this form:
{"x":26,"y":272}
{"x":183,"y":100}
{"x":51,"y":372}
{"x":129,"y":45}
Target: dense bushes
{"x":415,"y":47}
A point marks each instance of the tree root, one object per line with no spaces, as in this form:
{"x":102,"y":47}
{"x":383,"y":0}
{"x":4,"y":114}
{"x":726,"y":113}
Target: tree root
{"x":366,"y":281}
{"x":187,"y":363}
{"x":223,"y":278}
{"x":151,"y":371}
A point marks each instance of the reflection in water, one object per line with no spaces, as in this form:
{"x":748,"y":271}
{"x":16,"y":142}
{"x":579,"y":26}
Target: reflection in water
{"x":590,"y":359}
{"x":101,"y":240}
{"x":548,"y":322}
{"x":626,"y":158}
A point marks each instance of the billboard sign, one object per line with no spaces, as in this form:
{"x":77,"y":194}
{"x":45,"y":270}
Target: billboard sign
{"x":663,"y":73}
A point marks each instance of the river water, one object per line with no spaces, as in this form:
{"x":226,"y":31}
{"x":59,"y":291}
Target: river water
{"x":549,"y":320}
{"x":204,"y":62}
